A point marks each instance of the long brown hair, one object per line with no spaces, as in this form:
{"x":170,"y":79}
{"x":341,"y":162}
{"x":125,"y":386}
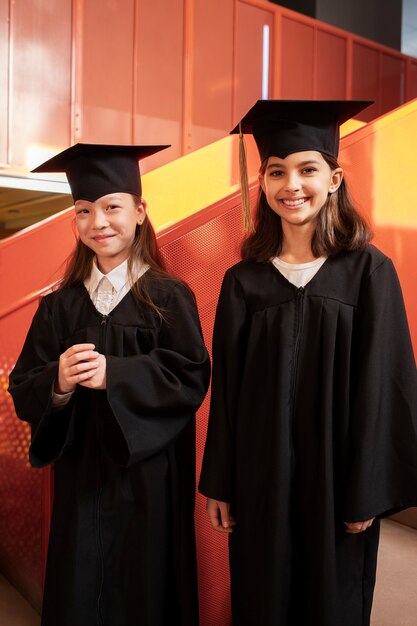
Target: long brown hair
{"x":144,"y":249}
{"x":339,"y":226}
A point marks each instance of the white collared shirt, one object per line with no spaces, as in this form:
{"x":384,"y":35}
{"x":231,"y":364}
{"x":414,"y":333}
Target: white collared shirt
{"x":105,"y":291}
{"x":103,"y":299}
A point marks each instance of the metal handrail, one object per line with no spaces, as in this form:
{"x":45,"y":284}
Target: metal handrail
{"x":22,"y":302}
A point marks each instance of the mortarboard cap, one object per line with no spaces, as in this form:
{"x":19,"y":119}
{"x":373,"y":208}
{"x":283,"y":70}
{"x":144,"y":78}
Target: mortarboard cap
{"x":281,"y":127}
{"x":95,"y":170}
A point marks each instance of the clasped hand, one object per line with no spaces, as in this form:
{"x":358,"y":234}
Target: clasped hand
{"x":81,"y":365}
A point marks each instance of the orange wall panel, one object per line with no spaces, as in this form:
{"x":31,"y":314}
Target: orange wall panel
{"x":378,"y":158}
{"x":392,"y":82}
{"x":297,"y":53}
{"x":365,"y":78}
{"x":106,"y":68}
{"x":159,"y":77}
{"x":43,"y":247}
{"x":248,"y":69}
{"x":41,"y":76}
{"x":331,"y":64}
{"x":173,"y":71}
{"x":212,"y":72}
{"x":4,"y":79}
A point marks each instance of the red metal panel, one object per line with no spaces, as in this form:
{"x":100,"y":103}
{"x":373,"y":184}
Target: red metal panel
{"x":212,"y":72}
{"x":41,"y":76}
{"x":21,"y":488}
{"x":412,"y":80}
{"x":106,"y":66}
{"x":166,"y":71}
{"x":392,"y":82}
{"x":365,"y":78}
{"x":251,"y":20}
{"x":159,"y":77}
{"x":331,"y":64}
{"x":297,"y":51}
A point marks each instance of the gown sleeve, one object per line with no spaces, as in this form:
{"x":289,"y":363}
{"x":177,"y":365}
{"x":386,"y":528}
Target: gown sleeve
{"x":31,"y":384}
{"x":229,"y":346}
{"x":383,"y":472}
{"x":153,"y":396}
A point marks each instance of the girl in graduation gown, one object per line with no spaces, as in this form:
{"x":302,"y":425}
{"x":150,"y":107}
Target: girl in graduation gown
{"x":111,"y":374}
{"x":313,"y":428}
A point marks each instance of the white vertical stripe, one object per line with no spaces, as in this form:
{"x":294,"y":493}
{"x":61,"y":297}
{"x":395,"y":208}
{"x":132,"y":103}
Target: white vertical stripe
{"x":265,"y":62}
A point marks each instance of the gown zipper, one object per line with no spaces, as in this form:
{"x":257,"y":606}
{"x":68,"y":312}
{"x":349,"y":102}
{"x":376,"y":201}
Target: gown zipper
{"x":299,"y":309}
{"x":103,"y":332}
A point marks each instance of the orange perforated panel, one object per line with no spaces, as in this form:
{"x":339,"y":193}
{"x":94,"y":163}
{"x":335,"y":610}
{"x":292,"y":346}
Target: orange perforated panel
{"x":21,"y":488}
{"x":201,"y":256}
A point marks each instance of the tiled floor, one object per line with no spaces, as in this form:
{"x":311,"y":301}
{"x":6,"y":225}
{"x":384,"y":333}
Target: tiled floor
{"x":395,"y":601}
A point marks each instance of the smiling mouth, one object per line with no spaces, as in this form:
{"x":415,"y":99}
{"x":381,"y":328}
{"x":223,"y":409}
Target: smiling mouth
{"x":294,"y":203}
{"x":102,"y":237}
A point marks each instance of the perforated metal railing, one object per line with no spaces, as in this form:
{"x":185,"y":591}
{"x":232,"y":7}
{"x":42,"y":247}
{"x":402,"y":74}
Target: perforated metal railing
{"x":199,"y":250}
{"x":22,"y":494}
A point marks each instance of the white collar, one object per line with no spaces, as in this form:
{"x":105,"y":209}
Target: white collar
{"x":118,"y":277}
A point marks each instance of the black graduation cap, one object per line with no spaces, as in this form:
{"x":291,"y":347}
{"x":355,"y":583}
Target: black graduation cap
{"x":95,"y":170}
{"x":281,"y":127}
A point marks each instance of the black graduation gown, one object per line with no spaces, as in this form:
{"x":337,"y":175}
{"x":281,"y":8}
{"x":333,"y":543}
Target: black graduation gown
{"x":122,"y":549}
{"x":313,"y":422}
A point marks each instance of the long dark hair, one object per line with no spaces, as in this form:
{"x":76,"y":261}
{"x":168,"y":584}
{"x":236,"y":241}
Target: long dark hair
{"x":339,"y":226}
{"x":144,"y":249}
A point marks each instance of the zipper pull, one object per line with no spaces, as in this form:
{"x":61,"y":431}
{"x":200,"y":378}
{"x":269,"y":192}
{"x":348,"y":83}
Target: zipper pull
{"x":300,"y":291}
{"x":104,"y":319}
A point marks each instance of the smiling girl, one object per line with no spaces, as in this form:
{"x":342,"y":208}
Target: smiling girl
{"x":111,"y":374}
{"x":313,"y":428}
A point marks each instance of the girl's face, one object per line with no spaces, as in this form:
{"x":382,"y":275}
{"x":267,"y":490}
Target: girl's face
{"x":297,"y":187}
{"x":108,"y":225}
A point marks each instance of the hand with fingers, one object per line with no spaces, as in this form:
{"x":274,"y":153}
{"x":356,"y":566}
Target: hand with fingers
{"x":98,"y":376}
{"x":353,"y":528}
{"x":81,"y":365}
{"x":219,"y":515}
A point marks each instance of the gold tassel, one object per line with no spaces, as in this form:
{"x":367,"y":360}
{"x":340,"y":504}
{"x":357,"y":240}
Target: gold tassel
{"x":244,"y":185}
